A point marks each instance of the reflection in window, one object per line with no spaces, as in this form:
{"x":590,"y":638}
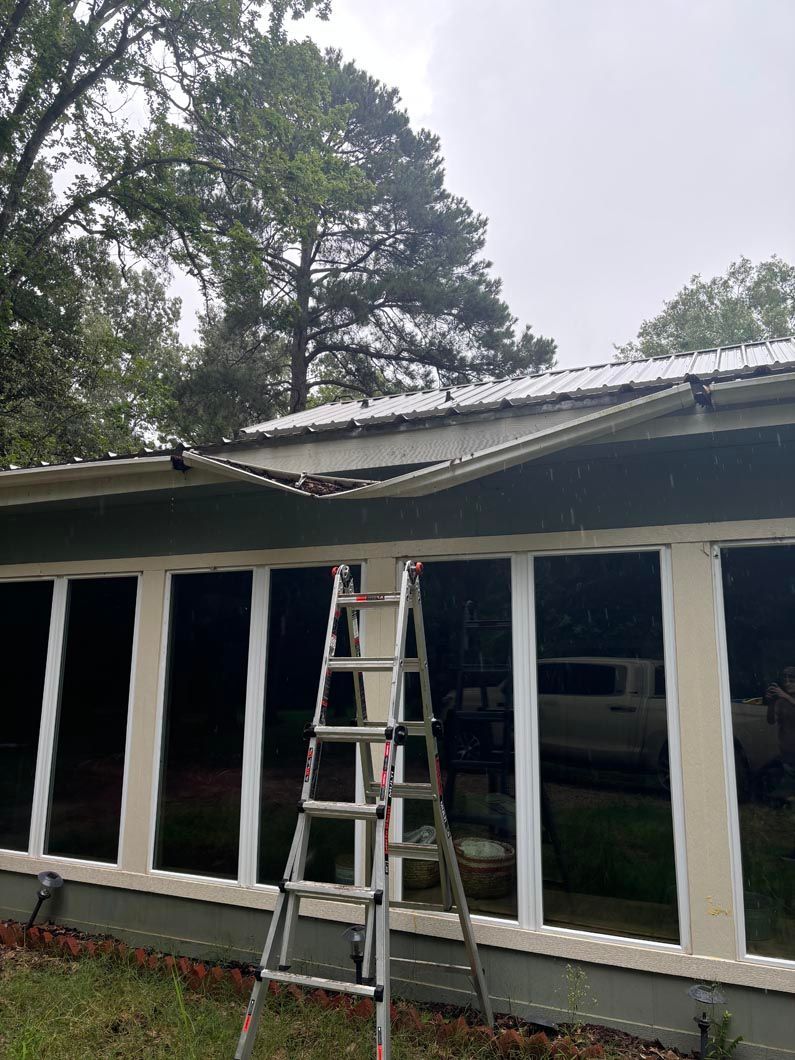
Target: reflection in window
{"x":24,"y":630}
{"x":198,"y":822}
{"x":467,"y":617}
{"x":300,"y":599}
{"x":88,"y":757}
{"x":759,"y":599}
{"x":607,"y":827}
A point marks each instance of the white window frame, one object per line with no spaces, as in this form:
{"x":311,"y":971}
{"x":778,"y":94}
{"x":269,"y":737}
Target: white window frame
{"x":534,"y":898}
{"x":42,"y":785}
{"x":247,"y":829}
{"x":254,"y":728}
{"x":259,"y":748}
{"x":54,"y":638}
{"x":732,"y":802}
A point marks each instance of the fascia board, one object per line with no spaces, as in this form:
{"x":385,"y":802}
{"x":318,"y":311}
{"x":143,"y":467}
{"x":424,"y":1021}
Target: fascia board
{"x":83,"y":469}
{"x":777,"y":386}
{"x":508,"y":454}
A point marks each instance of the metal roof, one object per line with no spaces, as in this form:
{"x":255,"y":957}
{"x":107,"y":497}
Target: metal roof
{"x":561,"y":384}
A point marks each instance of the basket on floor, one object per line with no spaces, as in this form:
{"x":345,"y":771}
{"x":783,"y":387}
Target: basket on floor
{"x":487,"y":866}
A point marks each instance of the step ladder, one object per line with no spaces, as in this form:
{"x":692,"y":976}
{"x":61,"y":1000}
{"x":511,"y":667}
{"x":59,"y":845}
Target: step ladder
{"x":375,"y":811}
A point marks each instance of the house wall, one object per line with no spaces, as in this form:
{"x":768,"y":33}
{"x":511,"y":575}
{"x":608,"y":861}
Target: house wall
{"x":679,"y":501}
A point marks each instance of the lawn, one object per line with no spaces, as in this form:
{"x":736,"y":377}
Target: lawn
{"x":57,"y":1008}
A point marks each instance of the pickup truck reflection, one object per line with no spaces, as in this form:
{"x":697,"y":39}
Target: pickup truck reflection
{"x":603,"y":712}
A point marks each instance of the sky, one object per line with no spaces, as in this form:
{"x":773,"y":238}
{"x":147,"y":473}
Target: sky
{"x":616,"y":146}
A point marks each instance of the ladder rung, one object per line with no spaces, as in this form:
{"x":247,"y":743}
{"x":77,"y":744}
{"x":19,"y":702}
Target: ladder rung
{"x":361,"y":664}
{"x":341,"y":891}
{"x":312,"y":982}
{"x":351,"y":733}
{"x":464,"y":969}
{"x":416,"y":851}
{"x":406,"y":791}
{"x":359,"y":600}
{"x":356,"y":811}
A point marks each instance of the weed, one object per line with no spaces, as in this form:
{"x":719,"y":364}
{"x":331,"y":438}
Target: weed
{"x":722,"y":1047}
{"x":578,"y":992}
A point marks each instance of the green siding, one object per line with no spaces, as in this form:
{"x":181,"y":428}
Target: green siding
{"x":631,"y":486}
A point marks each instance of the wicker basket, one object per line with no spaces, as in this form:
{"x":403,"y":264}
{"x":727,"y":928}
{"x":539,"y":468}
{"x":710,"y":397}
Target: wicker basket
{"x":487,"y":866}
{"x":418,"y":875}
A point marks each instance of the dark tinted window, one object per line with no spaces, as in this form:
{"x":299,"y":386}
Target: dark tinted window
{"x":468,"y":631}
{"x":300,"y":599}
{"x":198,"y":823}
{"x":88,"y":761}
{"x":24,"y":631}
{"x":580,"y":679}
{"x":607,"y":826}
{"x":759,"y":599}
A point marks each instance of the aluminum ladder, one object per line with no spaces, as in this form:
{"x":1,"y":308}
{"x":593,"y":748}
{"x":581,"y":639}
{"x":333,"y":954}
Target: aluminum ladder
{"x":375,"y":811}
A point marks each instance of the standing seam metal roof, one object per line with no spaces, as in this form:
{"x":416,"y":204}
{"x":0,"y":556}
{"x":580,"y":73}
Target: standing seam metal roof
{"x":560,"y":384}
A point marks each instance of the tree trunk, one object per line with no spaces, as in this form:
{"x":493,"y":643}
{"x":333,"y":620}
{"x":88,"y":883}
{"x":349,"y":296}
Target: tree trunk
{"x":299,"y":386}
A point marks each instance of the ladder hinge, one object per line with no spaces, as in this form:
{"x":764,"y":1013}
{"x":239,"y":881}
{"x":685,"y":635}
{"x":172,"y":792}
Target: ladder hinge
{"x":283,"y":885}
{"x":300,"y":805}
{"x":378,"y":994}
{"x":389,"y":732}
{"x":284,"y":967}
{"x":380,"y":811}
{"x":309,"y":730}
{"x":258,"y":974}
{"x":378,"y":897}
{"x":401,"y":732}
{"x":437,"y":728}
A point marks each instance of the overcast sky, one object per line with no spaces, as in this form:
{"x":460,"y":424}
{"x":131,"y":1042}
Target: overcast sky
{"x":616,"y":146}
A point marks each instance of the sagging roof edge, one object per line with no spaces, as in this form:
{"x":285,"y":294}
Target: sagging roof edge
{"x":448,"y":473}
{"x":508,"y":454}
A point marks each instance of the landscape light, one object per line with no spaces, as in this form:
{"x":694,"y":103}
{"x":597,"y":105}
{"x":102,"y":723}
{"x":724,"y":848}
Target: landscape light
{"x":356,"y":936}
{"x":705,"y":995}
{"x":50,"y":881}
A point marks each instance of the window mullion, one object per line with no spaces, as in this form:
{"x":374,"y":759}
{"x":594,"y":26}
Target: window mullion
{"x":49,"y":712}
{"x":253,"y":729}
{"x":525,"y":743}
{"x":674,"y":747}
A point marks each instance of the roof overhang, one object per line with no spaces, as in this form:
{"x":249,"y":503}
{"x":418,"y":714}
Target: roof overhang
{"x":594,"y":427}
{"x":168,"y":471}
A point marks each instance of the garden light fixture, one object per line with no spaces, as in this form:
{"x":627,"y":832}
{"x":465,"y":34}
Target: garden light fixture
{"x":50,"y":881}
{"x":705,"y":996}
{"x":356,"y":936}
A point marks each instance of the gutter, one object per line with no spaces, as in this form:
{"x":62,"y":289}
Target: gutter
{"x":508,"y":454}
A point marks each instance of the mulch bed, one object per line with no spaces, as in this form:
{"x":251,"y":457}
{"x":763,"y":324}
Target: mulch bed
{"x":511,"y":1036}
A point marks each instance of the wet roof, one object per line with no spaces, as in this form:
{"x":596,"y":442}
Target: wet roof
{"x":545,"y":388}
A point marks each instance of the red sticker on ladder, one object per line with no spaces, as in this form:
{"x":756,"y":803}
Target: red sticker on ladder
{"x":246,"y":1023}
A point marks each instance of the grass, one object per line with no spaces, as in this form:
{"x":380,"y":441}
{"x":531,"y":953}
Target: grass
{"x":56,"y":1009}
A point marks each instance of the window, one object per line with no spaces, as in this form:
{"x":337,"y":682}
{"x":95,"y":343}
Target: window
{"x":198,"y":819}
{"x":759,"y":610}
{"x":24,"y":631}
{"x":467,"y":617}
{"x":91,"y":723}
{"x":300,"y":599}
{"x":607,"y":826}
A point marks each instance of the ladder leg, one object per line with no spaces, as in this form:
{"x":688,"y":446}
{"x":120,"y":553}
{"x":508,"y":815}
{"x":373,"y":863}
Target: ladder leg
{"x":451,"y":878}
{"x":259,"y":991}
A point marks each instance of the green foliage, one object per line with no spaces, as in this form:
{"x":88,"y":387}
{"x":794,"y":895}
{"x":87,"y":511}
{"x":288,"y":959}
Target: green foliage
{"x":90,"y":102}
{"x":721,"y":1046}
{"x":747,"y":303}
{"x":343,"y":263}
